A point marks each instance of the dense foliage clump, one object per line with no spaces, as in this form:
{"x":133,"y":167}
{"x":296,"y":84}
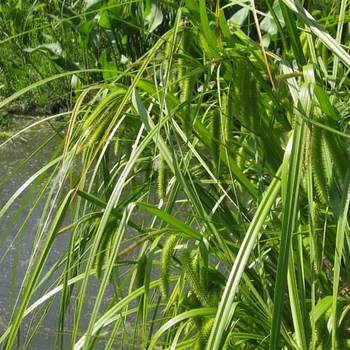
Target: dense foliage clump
{"x":203,"y":175}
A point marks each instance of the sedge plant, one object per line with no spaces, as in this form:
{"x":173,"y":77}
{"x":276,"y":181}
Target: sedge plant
{"x":206,"y":182}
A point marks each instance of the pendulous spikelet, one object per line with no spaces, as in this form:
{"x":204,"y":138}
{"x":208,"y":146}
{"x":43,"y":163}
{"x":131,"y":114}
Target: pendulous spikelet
{"x":167,"y":256}
{"x":185,"y":80}
{"x":193,"y":278}
{"x":162,"y":178}
{"x":203,"y":335}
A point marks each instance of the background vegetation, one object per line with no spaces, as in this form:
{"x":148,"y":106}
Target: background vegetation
{"x":203,"y":174}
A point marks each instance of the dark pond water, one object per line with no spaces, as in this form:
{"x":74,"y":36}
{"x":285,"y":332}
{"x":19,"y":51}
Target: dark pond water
{"x":15,"y":252}
{"x":16,"y":245}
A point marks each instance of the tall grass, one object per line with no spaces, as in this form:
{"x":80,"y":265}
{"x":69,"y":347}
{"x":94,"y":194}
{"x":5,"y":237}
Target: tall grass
{"x":208,"y":183}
